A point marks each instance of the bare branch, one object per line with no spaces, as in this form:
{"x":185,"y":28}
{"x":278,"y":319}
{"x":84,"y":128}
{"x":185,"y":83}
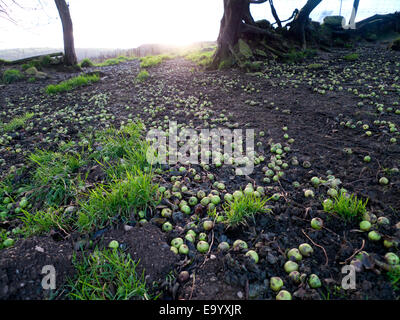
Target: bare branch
{"x":275,"y":14}
{"x":257,"y":1}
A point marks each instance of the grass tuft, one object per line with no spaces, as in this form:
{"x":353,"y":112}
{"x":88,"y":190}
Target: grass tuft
{"x":120,"y":200}
{"x":347,"y":207}
{"x":394,"y":278}
{"x":351,"y":57}
{"x":151,"y":61}
{"x":238,"y":211}
{"x":4,"y":62}
{"x":55,"y":177}
{"x":295,"y":56}
{"x":114,"y":61}
{"x":202,"y":58}
{"x":86,"y":63}
{"x":42,"y":222}
{"x":122,"y":150}
{"x":12,"y":75}
{"x":16,"y":123}
{"x":142,"y":76}
{"x":72,"y":83}
{"x":315,"y":66}
{"x":108,"y":275}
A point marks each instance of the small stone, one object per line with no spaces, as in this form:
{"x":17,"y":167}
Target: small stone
{"x":128,"y":228}
{"x":39,"y":249}
{"x":70,"y":209}
{"x":183,"y":276}
{"x":240,"y":295}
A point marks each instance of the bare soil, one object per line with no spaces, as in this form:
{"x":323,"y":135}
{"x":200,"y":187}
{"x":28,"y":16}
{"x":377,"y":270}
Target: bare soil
{"x":313,"y":120}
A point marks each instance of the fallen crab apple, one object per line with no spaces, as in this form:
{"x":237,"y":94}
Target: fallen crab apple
{"x":314,"y":281}
{"x":186,"y":209}
{"x":291,"y":266}
{"x":384,"y":181}
{"x":184,"y":249}
{"x":284,"y":295}
{"x":388,"y":244}
{"x":365,"y":225}
{"x":315,"y":181}
{"x":240,"y":244}
{"x":392,"y":259}
{"x":190,"y":237}
{"x":208,"y":225}
{"x":223,"y":246}
{"x":167,"y":227}
{"x":332,"y":192}
{"x":203,"y":247}
{"x":113,"y":244}
{"x":276,"y":284}
{"x":166,"y":213}
{"x":374,"y":236}
{"x":328,"y":205}
{"x":367,"y":159}
{"x":177,"y":242}
{"x":306,"y":250}
{"x":253,"y":255}
{"x":317,"y":223}
{"x":294,"y":254}
{"x":383,"y":221}
{"x":295,"y":277}
{"x":309,"y":194}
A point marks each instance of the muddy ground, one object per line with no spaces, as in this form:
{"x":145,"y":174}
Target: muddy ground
{"x":282,"y":95}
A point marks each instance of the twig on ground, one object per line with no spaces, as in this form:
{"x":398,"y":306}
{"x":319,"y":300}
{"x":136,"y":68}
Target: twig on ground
{"x":194,"y":281}
{"x":209,"y":250}
{"x":355,"y":252}
{"x":319,"y":246}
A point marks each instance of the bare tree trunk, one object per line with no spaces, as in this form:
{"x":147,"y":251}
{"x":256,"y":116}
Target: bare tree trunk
{"x":70,"y":58}
{"x":237,"y":19}
{"x":234,"y":13}
{"x":298,"y":25}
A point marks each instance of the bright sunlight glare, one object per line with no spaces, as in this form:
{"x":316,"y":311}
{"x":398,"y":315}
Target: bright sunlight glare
{"x":129,"y":24}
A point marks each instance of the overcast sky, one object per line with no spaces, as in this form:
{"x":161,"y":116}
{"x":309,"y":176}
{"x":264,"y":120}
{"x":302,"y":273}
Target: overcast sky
{"x":130,"y":23}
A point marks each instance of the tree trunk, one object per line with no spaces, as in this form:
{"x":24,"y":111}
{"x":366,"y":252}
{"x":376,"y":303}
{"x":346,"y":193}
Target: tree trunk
{"x":234,"y":13}
{"x":70,"y":58}
{"x":298,"y":25}
{"x":237,"y":21}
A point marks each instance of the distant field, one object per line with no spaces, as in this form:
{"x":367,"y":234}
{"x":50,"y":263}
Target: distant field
{"x":93,"y":53}
{"x":16,"y":54}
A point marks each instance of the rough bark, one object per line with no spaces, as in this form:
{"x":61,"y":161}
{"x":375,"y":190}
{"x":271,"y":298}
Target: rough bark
{"x":234,"y":12}
{"x":298,"y":26}
{"x":237,"y":20}
{"x":70,"y":58}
